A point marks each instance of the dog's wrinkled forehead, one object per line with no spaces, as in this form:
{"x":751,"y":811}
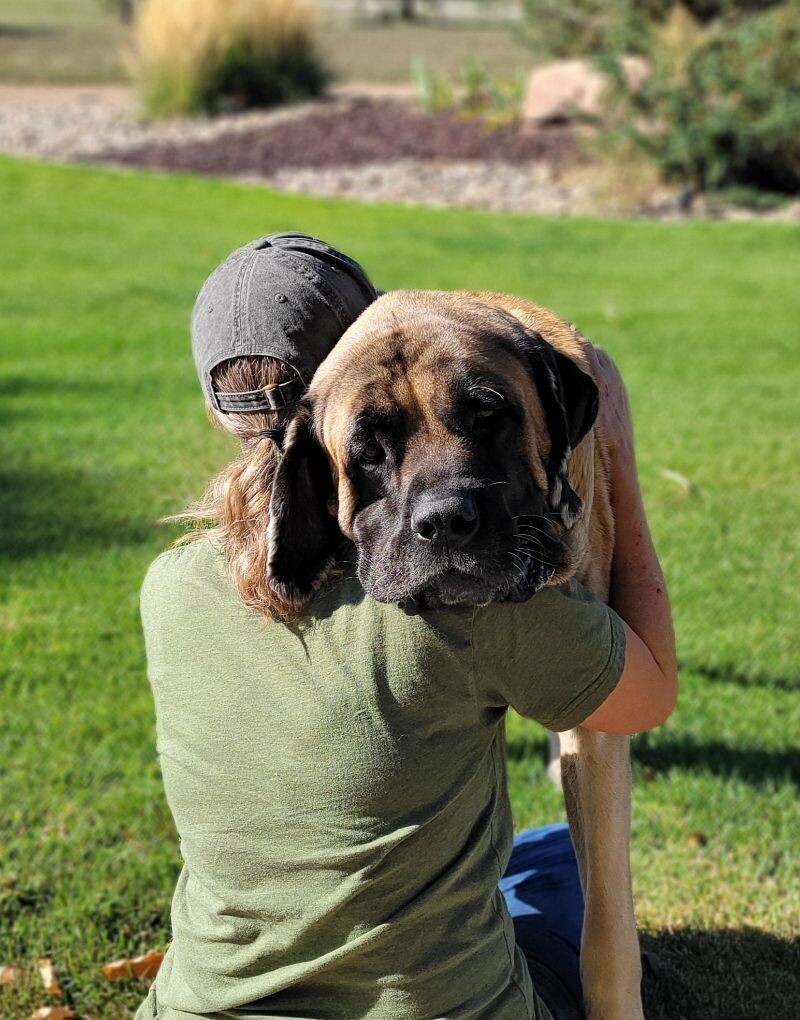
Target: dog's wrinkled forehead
{"x":410,"y":349}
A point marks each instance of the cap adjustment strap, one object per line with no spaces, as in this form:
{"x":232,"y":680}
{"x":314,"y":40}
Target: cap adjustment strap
{"x":268,"y":398}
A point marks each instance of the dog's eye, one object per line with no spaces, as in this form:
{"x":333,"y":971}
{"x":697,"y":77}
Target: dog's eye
{"x":485,"y":406}
{"x":488,"y":413}
{"x":372,"y":453}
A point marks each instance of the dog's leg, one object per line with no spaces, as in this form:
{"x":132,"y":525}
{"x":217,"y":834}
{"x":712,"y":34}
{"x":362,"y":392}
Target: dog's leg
{"x":596,"y":777}
{"x":554,"y":759}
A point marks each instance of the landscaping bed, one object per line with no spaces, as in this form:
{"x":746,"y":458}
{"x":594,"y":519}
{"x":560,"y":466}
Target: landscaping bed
{"x":355,"y":133}
{"x":380,"y":149}
{"x":364,"y":143}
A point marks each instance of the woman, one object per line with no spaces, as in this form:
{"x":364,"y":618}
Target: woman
{"x":337,"y":780}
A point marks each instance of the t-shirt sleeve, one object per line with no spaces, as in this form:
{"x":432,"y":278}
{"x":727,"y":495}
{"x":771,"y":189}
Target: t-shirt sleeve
{"x":555,"y":658}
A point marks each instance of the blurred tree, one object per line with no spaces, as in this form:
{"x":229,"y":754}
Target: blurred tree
{"x":123,"y":7}
{"x":707,"y":10}
{"x":408,"y":10}
{"x":568,"y":28}
{"x":721,"y":107}
{"x":576,"y":28}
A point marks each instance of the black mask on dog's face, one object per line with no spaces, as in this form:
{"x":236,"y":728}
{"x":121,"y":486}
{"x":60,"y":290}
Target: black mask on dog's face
{"x":442,"y":445}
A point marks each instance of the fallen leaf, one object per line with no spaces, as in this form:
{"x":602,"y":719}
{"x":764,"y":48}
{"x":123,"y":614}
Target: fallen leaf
{"x":49,"y":979}
{"x":697,"y":839}
{"x":118,"y":970}
{"x":145,"y":966}
{"x":53,"y":1013}
{"x":9,"y":974}
{"x":685,"y":485}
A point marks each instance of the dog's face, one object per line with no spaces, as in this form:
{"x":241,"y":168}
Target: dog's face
{"x":438,"y":433}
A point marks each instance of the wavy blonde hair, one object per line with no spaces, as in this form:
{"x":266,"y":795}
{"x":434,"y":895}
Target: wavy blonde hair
{"x":235,"y":506}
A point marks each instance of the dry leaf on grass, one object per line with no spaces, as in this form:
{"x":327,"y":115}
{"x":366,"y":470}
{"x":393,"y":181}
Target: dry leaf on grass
{"x":9,"y":974}
{"x":697,"y":839}
{"x":145,"y":966}
{"x":53,"y":1013}
{"x":118,"y":970}
{"x":49,"y":979}
{"x":686,"y":486}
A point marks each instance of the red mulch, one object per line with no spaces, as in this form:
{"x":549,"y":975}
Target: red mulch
{"x":369,"y":131}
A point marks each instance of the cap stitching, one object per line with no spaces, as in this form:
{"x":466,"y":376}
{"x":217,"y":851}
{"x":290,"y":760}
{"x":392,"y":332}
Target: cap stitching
{"x":238,"y":330}
{"x":322,"y":285}
{"x":305,"y":244}
{"x":247,"y":317}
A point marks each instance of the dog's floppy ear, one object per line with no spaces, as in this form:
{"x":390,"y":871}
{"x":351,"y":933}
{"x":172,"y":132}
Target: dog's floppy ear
{"x":303,"y":536}
{"x":570,"y":400}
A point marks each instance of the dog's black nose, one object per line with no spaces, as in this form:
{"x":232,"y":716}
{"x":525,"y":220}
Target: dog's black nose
{"x":451,"y":520}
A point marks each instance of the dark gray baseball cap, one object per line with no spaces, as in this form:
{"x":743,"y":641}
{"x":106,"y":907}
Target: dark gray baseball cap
{"x":288,"y":296}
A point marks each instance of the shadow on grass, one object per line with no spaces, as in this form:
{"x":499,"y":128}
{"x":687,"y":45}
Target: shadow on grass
{"x":19,"y":385}
{"x":728,"y":974}
{"x":731,"y":675}
{"x":754,"y":765}
{"x":45,"y":513}
{"x":26,"y":31}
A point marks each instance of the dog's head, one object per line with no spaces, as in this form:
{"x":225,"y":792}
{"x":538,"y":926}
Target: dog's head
{"x":436,"y":438}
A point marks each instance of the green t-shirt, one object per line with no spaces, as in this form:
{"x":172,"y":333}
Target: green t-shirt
{"x":339,"y":788}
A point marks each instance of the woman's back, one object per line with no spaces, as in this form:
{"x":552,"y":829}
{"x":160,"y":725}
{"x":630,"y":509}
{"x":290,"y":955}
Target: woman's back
{"x":341,"y":806}
{"x":339,"y":789}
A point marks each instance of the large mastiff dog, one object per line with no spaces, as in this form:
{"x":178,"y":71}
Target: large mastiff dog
{"x":451,"y":438}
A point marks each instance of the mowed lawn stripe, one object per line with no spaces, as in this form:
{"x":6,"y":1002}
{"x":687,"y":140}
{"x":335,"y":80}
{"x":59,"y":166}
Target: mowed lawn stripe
{"x":103,"y":431}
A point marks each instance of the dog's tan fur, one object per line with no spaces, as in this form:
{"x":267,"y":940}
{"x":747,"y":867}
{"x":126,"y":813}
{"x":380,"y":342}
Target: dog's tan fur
{"x":588,"y":466}
{"x":595,"y":767}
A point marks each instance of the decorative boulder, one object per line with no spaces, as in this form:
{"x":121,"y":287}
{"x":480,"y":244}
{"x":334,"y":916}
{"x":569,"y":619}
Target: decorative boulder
{"x":558,"y":90}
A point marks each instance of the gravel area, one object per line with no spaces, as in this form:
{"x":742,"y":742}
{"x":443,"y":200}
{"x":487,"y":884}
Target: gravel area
{"x":377,"y":149}
{"x":495,"y":185}
{"x":376,"y":146}
{"x":336,"y":148}
{"x":76,"y":122}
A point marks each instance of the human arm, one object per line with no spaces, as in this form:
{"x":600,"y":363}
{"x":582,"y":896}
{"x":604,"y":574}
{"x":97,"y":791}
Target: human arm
{"x":646,"y":692}
{"x":565,"y":658}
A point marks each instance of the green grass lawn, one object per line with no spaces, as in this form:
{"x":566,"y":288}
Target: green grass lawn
{"x":103,"y":431}
{"x":83,"y":41}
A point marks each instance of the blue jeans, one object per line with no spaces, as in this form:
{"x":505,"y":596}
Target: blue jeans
{"x":543,"y":893}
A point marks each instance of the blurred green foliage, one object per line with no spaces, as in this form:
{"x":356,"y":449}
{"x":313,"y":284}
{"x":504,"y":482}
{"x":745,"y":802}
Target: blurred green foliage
{"x":476,"y":91}
{"x":577,"y":28}
{"x":721,"y":108}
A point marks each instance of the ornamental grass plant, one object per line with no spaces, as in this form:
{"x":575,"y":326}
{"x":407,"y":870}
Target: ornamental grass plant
{"x":211,"y":56}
